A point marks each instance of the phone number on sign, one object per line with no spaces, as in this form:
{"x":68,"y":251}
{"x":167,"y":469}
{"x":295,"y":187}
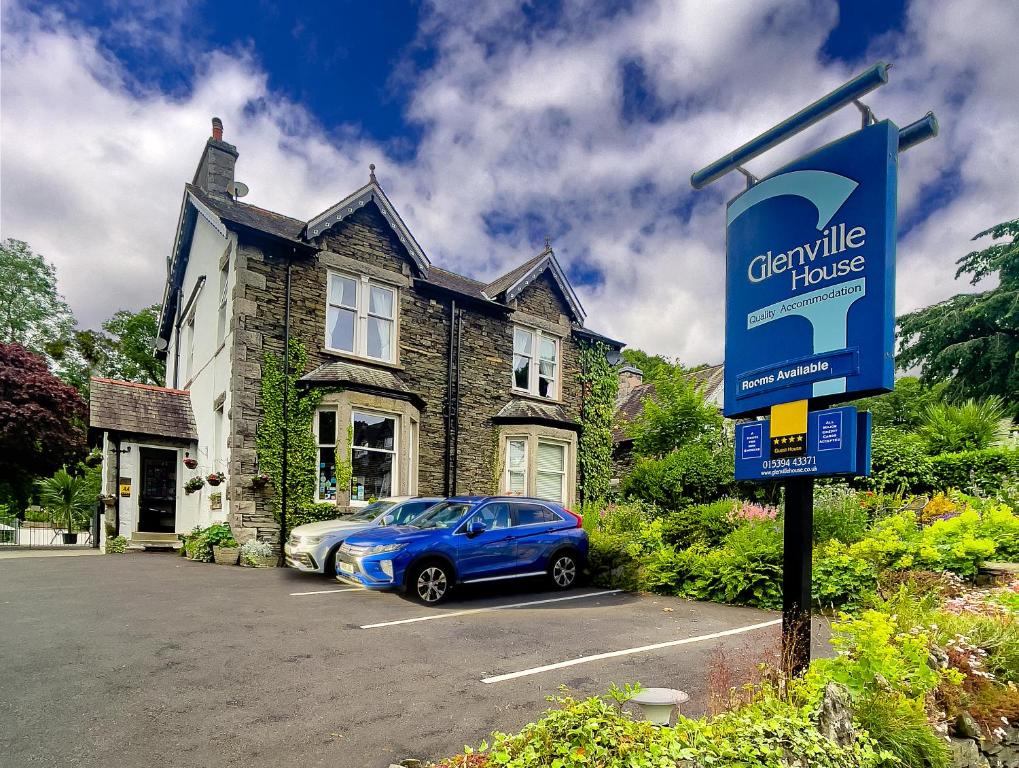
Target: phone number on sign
{"x":797,"y":461}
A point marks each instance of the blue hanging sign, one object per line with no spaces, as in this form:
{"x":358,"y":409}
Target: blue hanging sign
{"x":838,"y":443}
{"x":810,"y":278}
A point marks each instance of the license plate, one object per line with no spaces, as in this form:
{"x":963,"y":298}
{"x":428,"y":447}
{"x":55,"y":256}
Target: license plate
{"x":346,"y":567}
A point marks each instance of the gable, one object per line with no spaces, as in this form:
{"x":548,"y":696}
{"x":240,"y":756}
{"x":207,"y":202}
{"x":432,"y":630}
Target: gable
{"x":544,"y":297}
{"x":353,"y":203}
{"x":366,"y":237}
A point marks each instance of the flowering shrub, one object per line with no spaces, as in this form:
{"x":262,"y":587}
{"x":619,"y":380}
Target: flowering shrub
{"x":748,"y":512}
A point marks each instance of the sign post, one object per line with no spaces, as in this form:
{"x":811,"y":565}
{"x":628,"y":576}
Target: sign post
{"x":810,"y":316}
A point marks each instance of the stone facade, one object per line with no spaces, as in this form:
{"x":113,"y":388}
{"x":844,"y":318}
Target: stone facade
{"x":363,"y":243}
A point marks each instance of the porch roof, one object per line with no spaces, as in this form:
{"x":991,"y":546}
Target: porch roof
{"x":141,"y":409}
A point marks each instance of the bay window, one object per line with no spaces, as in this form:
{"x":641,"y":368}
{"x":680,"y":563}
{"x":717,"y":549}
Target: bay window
{"x":325,"y":433}
{"x":550,"y":471}
{"x":373,"y":456}
{"x":361,"y":317}
{"x":516,"y":467}
{"x":535,"y":363}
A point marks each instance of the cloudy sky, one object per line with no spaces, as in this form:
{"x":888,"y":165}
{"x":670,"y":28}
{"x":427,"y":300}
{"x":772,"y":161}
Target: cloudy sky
{"x":492,"y":127}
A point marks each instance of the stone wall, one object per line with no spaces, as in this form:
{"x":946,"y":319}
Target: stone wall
{"x":364,"y":241}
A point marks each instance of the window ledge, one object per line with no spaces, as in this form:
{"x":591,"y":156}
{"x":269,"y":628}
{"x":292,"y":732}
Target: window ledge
{"x":362,"y":360}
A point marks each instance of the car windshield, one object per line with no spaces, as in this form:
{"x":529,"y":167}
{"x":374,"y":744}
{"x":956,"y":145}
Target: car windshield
{"x":408,"y":510}
{"x":442,"y":515}
{"x":372,"y":511}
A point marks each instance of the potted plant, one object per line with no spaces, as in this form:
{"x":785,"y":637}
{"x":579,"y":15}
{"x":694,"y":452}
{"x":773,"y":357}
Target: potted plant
{"x":116,"y":545}
{"x":260,"y":480}
{"x":257,"y":554}
{"x":226,"y":552}
{"x":189,"y":461}
{"x":108,"y":499}
{"x":215,"y":478}
{"x":67,"y":498}
{"x":194,"y":484}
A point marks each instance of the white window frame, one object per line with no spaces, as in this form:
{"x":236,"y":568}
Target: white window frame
{"x":362,"y":303}
{"x":221,"y":320}
{"x":564,"y":474}
{"x":189,"y":326}
{"x":507,"y":485}
{"x":319,"y":445}
{"x":394,"y":482}
{"x":218,"y":415}
{"x":533,"y":368}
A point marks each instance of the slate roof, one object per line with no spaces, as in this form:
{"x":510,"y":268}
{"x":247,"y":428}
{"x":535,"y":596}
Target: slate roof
{"x":527,"y":411}
{"x":502,"y":284}
{"x":351,"y":374}
{"x":250,"y":215}
{"x":141,"y":409}
{"x":458,"y":283}
{"x":628,"y":407}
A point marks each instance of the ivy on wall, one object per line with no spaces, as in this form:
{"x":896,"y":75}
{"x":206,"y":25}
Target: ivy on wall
{"x":599,"y":385}
{"x":344,"y":463}
{"x":302,"y":458}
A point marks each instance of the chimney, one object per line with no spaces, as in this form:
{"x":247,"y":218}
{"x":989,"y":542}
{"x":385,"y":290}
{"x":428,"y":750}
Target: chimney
{"x":215,"y":173}
{"x":630,"y":377}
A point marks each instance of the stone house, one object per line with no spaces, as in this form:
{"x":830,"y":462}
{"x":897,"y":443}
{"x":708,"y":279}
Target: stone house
{"x":632,"y":393}
{"x":432,"y":382}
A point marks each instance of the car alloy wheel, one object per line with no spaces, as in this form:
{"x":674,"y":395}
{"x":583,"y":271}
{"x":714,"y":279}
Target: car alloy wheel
{"x":564,"y":571}
{"x":432,"y":584}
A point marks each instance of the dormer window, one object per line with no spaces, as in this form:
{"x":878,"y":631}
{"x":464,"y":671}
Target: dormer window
{"x":361,"y":317}
{"x":535,"y":363}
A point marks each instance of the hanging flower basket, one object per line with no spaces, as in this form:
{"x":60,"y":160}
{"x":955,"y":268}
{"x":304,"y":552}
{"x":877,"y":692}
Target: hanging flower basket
{"x":216,"y":478}
{"x":194,"y":484}
{"x":190,"y":462}
{"x":260,"y":480}
{"x":108,"y":499}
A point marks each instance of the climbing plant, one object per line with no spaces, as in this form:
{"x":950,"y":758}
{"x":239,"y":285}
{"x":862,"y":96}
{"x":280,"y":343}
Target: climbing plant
{"x":599,"y":385}
{"x":302,"y":459}
{"x":344,"y":463}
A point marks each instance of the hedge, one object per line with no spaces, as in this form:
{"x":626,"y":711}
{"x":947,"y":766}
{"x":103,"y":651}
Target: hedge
{"x":988,"y":469}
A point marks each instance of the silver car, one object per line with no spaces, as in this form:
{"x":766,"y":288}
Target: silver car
{"x":312,"y":547}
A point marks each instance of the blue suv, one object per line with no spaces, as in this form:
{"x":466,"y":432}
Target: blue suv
{"x":465,"y":540}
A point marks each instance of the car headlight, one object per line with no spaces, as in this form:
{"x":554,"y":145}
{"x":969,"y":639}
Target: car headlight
{"x":382,"y":548}
{"x":309,"y":540}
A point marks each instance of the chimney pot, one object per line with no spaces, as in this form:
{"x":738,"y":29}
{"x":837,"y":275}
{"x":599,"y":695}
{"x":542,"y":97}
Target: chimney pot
{"x":217,"y":129}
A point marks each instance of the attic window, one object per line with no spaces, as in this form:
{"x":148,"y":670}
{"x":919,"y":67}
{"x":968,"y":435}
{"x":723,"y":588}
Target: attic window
{"x":535,"y":363}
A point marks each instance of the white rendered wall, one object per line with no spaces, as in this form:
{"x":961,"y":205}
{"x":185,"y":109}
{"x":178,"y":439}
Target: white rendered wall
{"x":210,"y":367}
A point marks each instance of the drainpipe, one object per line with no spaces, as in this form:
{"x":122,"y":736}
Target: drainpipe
{"x":176,"y":341}
{"x":448,"y":415}
{"x":456,"y":404}
{"x":286,"y":413}
{"x":116,"y":490}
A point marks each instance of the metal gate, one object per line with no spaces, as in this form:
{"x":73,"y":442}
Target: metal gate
{"x":16,"y":534}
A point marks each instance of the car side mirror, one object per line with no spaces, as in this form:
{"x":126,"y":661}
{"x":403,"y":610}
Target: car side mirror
{"x":475,"y":527}
{"x":388,"y":520}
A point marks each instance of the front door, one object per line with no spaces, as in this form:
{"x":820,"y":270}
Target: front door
{"x":157,"y":501}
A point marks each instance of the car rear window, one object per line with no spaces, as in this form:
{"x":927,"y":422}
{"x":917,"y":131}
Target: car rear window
{"x":531,"y":514}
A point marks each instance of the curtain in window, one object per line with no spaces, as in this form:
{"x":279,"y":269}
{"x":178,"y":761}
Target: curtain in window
{"x":550,"y":471}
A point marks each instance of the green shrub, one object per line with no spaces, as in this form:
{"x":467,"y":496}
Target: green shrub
{"x":899,"y":461}
{"x":596,"y":732}
{"x":37,"y":515}
{"x":312,"y":513}
{"x":693,"y":474}
{"x":699,"y":524}
{"x":610,"y":561}
{"x":745,"y":570}
{"x":838,"y":514}
{"x":839,"y":579}
{"x":900,"y":727}
{"x":117,"y":545}
{"x":986,"y":470}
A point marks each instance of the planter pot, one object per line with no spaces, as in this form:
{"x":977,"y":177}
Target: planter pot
{"x":190,"y":463}
{"x":69,"y":538}
{"x":226,"y":555}
{"x":268,"y":561}
{"x":109,"y":502}
{"x":260,"y":482}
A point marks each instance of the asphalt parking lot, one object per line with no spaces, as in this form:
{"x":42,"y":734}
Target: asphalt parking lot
{"x":149,"y":659}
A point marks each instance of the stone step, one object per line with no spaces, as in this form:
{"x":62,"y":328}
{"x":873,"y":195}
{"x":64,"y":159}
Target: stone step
{"x":154,"y":540}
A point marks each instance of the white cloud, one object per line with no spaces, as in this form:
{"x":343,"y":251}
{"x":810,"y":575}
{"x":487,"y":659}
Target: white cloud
{"x":523,"y":123}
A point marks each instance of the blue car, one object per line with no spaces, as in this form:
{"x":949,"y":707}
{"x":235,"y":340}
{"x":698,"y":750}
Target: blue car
{"x":465,"y":540}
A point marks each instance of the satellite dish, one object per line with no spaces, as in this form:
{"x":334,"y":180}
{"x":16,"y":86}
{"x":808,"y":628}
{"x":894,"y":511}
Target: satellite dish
{"x":160,"y":344}
{"x":238,"y":188}
{"x":613,"y":357}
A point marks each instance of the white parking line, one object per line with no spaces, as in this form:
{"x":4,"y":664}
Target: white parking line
{"x":452,"y":614}
{"x":628,"y":651}
{"x":328,"y":591}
